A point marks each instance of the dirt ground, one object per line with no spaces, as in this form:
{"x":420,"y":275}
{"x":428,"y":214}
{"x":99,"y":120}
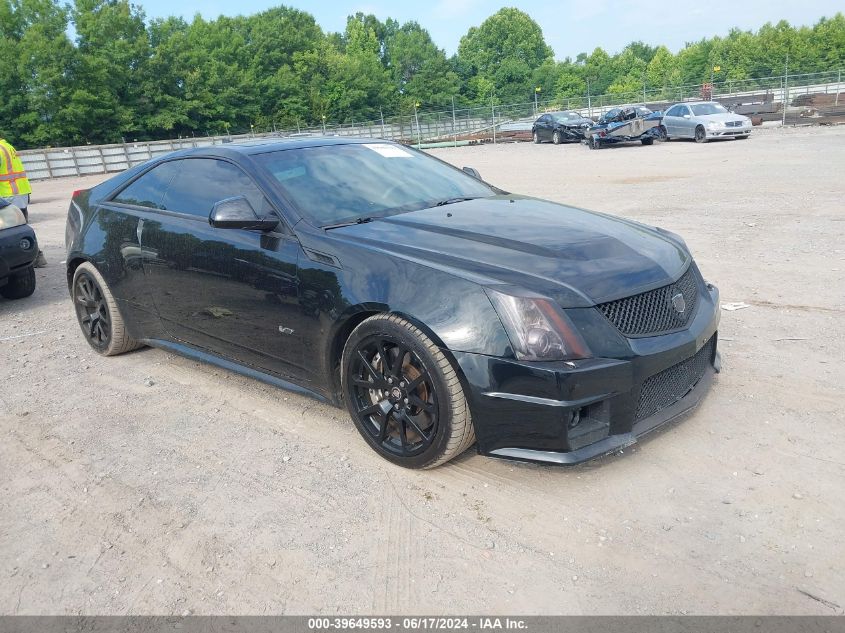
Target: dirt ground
{"x":151,"y":484}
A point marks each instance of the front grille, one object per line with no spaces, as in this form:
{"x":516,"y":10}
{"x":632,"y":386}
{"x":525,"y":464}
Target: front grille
{"x":653,"y":312}
{"x":733,"y":124}
{"x":672,"y":384}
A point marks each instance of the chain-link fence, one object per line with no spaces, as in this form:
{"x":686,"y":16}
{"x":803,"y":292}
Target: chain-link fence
{"x":808,"y":97}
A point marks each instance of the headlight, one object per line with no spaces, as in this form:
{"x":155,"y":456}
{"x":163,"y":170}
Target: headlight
{"x":714,"y":125}
{"x":537,"y":328}
{"x":11,"y":216}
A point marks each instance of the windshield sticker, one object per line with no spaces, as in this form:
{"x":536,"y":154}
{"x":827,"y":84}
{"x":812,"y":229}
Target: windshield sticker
{"x":389,"y":151}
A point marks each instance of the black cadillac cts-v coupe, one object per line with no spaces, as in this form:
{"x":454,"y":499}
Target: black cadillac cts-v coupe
{"x":441,"y":310}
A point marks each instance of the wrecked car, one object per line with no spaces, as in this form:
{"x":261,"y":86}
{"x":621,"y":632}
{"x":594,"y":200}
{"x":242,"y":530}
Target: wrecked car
{"x":624,"y":125}
{"x":558,"y":127}
{"x":440,"y":310}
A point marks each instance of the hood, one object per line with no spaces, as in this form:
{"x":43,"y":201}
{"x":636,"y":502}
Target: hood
{"x":724,"y":117}
{"x":575,"y":122}
{"x":576,"y":257}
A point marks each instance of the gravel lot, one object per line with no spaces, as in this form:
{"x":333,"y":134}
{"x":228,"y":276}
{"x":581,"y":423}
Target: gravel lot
{"x":151,"y":484}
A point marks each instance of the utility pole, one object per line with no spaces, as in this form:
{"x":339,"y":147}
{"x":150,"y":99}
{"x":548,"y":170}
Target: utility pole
{"x":417,"y":119}
{"x":381,"y":112}
{"x":785,"y":88}
{"x":537,"y":91}
{"x":493,"y":117}
{"x":644,"y":80}
{"x":454,"y":129}
{"x":589,"y":102}
{"x":324,"y":125}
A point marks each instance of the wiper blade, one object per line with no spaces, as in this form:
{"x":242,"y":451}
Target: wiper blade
{"x":350,"y":223}
{"x":442,"y":203}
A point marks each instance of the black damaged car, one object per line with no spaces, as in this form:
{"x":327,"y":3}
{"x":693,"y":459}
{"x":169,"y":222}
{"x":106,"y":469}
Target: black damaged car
{"x":18,"y":250}
{"x":559,"y":127}
{"x":442,"y":311}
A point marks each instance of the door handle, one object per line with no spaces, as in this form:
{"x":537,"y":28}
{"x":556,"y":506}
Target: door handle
{"x":139,"y":230}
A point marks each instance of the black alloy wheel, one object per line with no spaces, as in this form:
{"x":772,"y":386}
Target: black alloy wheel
{"x":700,"y":135}
{"x":404,"y":395}
{"x":92,"y":310}
{"x":97,"y":313}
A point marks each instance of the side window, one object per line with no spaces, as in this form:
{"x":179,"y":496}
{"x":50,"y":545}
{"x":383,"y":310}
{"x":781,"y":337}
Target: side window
{"x":673,"y":111}
{"x":682,"y":110}
{"x":148,"y":190}
{"x":202,"y":182}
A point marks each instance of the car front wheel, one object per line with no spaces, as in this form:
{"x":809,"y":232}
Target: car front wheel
{"x":97,"y":313}
{"x":700,"y":135}
{"x":20,"y":285}
{"x":556,"y":137}
{"x":404,"y":395}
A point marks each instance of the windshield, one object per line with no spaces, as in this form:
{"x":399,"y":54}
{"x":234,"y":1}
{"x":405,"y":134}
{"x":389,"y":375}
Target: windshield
{"x":332,"y":184}
{"x":563,"y":117}
{"x":703,"y":109}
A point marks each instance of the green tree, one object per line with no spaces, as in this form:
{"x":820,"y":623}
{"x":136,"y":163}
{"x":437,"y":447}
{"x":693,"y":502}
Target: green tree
{"x":113,"y":46}
{"x":504,"y":50}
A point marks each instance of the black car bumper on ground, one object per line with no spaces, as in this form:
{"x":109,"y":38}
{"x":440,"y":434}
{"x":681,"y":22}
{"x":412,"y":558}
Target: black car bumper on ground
{"x":566,"y":413}
{"x":18,"y":250}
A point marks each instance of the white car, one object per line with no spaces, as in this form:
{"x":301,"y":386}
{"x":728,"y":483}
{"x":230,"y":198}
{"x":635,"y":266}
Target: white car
{"x":703,"y":121}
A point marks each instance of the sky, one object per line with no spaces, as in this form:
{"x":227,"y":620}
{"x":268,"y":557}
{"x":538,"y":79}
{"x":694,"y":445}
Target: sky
{"x":569,"y":26}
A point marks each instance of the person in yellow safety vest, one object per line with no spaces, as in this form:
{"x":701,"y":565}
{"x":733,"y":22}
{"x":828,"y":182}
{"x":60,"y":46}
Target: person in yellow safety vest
{"x":14,"y":185}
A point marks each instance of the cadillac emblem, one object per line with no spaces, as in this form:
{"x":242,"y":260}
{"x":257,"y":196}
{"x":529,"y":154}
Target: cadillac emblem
{"x":679,"y":303}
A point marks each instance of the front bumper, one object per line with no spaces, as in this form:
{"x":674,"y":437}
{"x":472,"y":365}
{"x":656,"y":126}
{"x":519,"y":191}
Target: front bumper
{"x":726,"y":132}
{"x":13,"y":258}
{"x":567,"y":413}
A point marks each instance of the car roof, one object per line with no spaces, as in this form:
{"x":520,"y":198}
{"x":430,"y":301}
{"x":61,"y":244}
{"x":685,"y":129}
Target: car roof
{"x":265,"y":145}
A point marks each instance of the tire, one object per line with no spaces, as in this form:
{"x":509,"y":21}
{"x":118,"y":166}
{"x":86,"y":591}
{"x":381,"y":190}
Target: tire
{"x":96,"y":311}
{"x":536,"y":138}
{"x":556,"y":137}
{"x":700,"y":135}
{"x":647,"y":141}
{"x":412,"y":412}
{"x":20,"y":284}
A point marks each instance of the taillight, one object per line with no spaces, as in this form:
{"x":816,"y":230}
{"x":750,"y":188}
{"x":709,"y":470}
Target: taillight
{"x":77,"y":192}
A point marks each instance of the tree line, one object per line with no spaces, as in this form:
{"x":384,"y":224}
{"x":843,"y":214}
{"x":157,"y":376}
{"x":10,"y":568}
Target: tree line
{"x":122,"y":76}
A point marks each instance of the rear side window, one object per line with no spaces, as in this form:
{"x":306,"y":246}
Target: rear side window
{"x":148,"y":190}
{"x":202,"y":182}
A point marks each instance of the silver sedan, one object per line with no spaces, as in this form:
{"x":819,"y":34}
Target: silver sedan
{"x":704,"y":120}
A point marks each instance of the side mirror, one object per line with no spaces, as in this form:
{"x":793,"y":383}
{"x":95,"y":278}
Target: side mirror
{"x":472,"y":172}
{"x":237,"y":213}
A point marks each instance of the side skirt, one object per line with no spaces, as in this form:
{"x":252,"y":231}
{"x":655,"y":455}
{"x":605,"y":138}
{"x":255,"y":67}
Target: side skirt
{"x":200,"y":355}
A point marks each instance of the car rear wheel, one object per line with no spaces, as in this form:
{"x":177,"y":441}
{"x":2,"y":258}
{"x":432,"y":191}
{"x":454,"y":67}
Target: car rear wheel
{"x":700,"y":135}
{"x":536,"y":138}
{"x":556,"y":138}
{"x":97,"y":313}
{"x":404,"y":395}
{"x":20,"y":285}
